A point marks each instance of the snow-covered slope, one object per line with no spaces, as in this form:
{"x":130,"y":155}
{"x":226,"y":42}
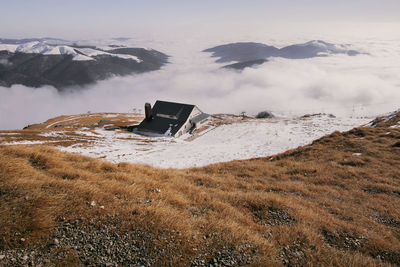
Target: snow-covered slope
{"x":239,"y":140}
{"x":234,"y":139}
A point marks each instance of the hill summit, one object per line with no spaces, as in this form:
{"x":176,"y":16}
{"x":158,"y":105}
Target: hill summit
{"x":61,"y":63}
{"x":247,"y":54}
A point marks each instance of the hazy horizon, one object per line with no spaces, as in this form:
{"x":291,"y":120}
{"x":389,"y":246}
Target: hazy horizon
{"x":97,"y":19}
{"x":338,"y":84}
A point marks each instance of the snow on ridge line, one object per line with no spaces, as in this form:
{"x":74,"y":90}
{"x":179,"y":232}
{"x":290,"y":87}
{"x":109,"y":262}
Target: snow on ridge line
{"x":94,"y":52}
{"x":37,"y":47}
{"x":324,"y":45}
{"x":8,"y":47}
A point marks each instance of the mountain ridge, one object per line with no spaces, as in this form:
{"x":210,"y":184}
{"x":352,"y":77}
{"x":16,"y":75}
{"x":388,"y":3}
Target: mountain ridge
{"x":244,"y":53}
{"x":59,"y":63}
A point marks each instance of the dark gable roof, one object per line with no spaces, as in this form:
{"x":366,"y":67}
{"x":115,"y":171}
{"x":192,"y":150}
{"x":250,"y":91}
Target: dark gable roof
{"x":166,"y":115}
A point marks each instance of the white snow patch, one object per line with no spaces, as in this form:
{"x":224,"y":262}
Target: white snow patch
{"x":60,"y":50}
{"x":79,"y":57}
{"x":93,"y":52}
{"x":33,"y":47}
{"x":357,"y":154}
{"x":8,"y":47}
{"x":52,"y":134}
{"x":390,"y":118}
{"x":71,"y":118}
{"x":87,"y":133}
{"x":258,"y":138}
{"x":396,"y":126}
{"x":9,"y":133}
{"x":114,"y":115}
{"x":26,"y":142}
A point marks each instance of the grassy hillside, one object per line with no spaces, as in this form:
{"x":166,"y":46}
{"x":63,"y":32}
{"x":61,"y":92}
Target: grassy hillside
{"x":334,"y":202}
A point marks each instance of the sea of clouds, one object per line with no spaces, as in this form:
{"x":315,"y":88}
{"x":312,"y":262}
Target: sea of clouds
{"x":364,"y":85}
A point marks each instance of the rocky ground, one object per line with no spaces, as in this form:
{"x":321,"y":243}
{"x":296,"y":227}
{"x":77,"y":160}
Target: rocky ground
{"x":92,"y":243}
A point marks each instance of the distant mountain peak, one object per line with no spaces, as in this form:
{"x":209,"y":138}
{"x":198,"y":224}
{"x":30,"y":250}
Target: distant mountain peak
{"x":246,"y":53}
{"x":42,"y":61}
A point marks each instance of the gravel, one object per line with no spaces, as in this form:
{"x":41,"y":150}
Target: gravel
{"x":81,"y":242}
{"x":85,"y":243}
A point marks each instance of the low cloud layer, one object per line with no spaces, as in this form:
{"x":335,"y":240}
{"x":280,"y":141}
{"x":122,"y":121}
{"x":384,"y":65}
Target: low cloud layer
{"x":342,"y":85}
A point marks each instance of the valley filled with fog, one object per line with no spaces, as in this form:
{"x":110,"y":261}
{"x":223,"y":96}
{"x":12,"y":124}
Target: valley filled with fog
{"x":367,"y":84}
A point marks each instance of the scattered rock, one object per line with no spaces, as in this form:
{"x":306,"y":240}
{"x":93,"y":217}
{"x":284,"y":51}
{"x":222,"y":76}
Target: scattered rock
{"x":318,"y":114}
{"x":343,"y":240}
{"x":226,"y":256}
{"x":388,"y":256}
{"x":92,"y":243}
{"x":88,"y":243}
{"x":293,"y":254}
{"x":28,"y":126}
{"x":375,"y":190}
{"x":385,"y":220}
{"x":271,"y":216}
{"x":264,"y":115}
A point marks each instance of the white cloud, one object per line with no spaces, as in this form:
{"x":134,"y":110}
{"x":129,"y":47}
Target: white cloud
{"x":342,"y":85}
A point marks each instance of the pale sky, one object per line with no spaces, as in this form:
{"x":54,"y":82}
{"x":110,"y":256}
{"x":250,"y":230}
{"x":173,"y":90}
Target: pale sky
{"x":75,"y":19}
{"x":183,"y":28}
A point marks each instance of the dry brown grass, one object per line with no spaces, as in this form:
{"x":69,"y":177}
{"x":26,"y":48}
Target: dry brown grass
{"x":316,"y":205}
{"x":89,"y":120}
{"x":69,"y":130}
